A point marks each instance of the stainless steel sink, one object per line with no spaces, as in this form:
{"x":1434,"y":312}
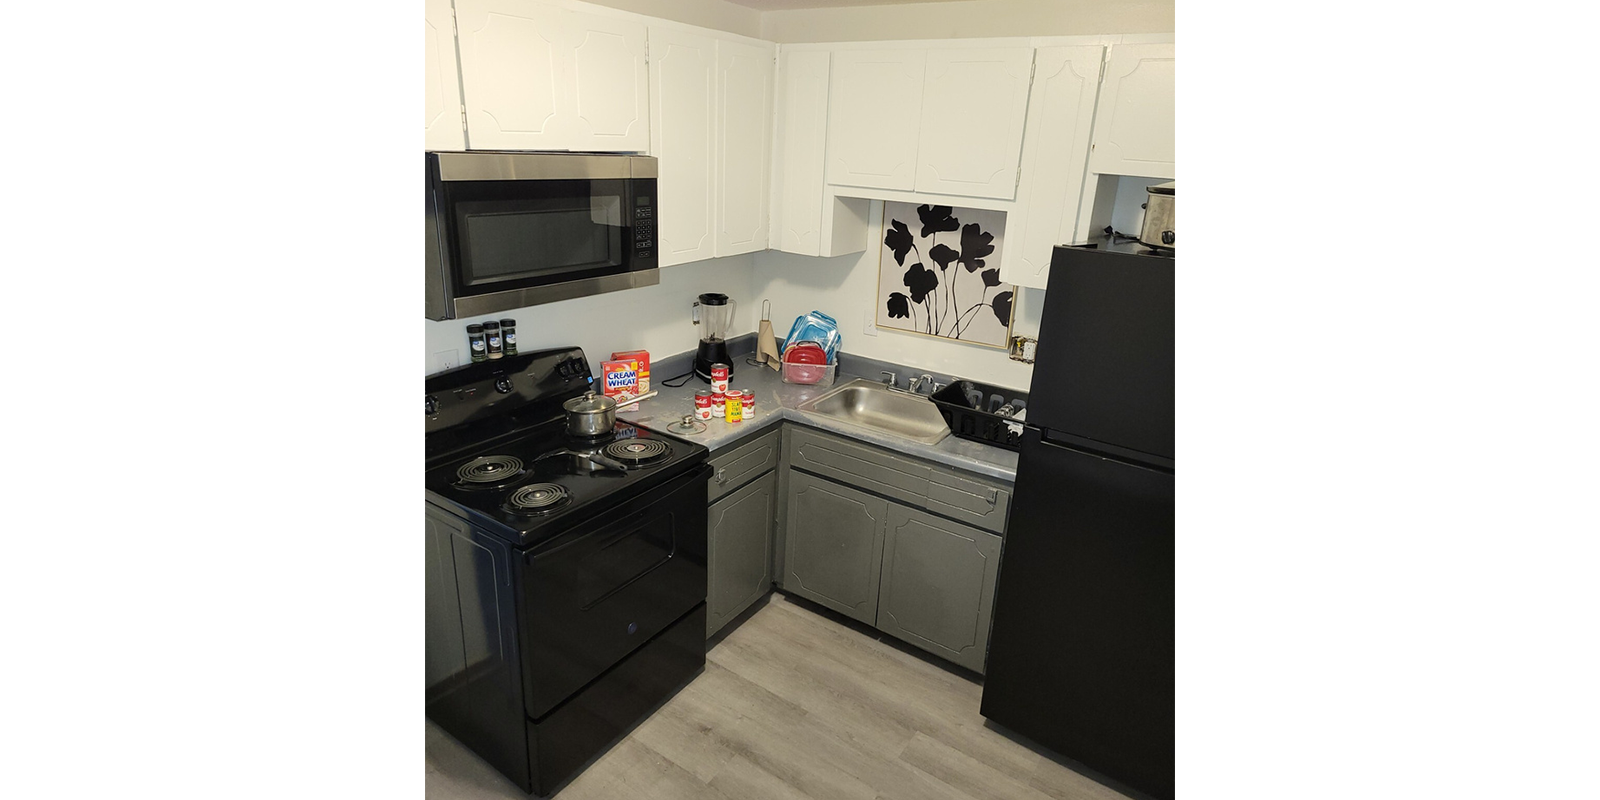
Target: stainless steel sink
{"x":874,"y":406}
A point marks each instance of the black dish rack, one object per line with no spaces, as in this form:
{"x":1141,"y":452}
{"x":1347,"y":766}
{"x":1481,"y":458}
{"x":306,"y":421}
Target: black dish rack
{"x":969,"y":409}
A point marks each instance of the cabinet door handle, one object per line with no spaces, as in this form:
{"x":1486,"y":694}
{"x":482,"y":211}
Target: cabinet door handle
{"x":994,"y":497}
{"x":722,"y":477}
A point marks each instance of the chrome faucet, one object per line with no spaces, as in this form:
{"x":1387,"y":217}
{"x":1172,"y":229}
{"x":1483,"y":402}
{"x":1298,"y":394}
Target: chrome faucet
{"x":922,"y":384}
{"x":892,"y":378}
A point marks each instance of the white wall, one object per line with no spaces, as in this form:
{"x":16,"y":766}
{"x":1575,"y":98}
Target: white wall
{"x":970,"y":19}
{"x":655,"y":318}
{"x":846,"y":288}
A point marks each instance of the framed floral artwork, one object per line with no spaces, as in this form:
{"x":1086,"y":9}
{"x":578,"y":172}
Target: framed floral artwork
{"x":939,"y":274}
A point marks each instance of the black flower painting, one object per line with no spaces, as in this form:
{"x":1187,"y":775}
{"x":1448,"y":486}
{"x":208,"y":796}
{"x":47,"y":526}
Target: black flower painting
{"x":922,"y":294}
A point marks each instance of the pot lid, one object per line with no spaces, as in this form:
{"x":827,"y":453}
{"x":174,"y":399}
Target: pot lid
{"x":1161,"y":188}
{"x":590,"y":403}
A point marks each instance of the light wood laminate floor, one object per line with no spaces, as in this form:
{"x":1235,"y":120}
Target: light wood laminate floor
{"x":794,"y":705}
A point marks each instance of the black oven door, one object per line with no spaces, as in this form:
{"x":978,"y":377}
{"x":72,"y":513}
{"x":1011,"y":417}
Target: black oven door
{"x":590,"y":599}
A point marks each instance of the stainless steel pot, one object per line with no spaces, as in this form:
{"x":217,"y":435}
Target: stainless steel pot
{"x":595,"y":414}
{"x":590,"y":415}
{"x":1158,"y":225}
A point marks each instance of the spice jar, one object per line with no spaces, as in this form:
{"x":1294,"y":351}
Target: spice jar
{"x":508,"y":336}
{"x":491,"y":335}
{"x":475,"y":343}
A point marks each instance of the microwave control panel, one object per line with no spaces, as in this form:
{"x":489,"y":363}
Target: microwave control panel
{"x":644,"y":227}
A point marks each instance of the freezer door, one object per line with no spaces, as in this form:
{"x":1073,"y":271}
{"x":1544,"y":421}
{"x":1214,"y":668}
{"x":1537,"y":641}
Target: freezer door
{"x":1103,"y":371}
{"x":1081,"y":651}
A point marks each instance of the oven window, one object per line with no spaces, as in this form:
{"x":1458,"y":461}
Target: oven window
{"x":533,"y":232}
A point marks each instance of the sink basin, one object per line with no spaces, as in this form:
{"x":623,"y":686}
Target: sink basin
{"x":876,"y":407}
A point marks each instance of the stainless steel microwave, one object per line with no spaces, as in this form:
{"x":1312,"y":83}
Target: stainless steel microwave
{"x":508,"y":230}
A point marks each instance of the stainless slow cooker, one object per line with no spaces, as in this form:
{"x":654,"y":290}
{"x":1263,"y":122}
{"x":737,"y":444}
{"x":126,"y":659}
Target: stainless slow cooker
{"x":1158,"y":227}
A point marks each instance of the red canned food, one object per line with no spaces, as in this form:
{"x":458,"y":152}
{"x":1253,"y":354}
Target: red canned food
{"x":735,"y":409}
{"x":702,"y":405}
{"x":719,"y":404}
{"x":749,"y":404}
{"x":719,"y":378}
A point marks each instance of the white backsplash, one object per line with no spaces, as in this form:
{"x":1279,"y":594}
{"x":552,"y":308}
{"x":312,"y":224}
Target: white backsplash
{"x":655,"y":318}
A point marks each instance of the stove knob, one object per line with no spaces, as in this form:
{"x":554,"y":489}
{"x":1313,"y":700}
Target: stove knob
{"x":502,"y":384}
{"x":433,"y":405}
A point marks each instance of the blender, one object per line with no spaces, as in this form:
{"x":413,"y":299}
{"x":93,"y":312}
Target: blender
{"x":714,"y":311}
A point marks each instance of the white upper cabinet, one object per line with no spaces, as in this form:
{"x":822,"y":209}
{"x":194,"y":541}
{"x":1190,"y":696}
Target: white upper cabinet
{"x":874,"y":115}
{"x":711,"y":132}
{"x":442,"y":104}
{"x":539,"y":77}
{"x":744,"y":136}
{"x":1060,"y":120}
{"x":1133,"y":132}
{"x":808,"y":217}
{"x":797,"y":161}
{"x":683,"y":130}
{"x":946,"y":121}
{"x":611,"y":95}
{"x":973,"y":106}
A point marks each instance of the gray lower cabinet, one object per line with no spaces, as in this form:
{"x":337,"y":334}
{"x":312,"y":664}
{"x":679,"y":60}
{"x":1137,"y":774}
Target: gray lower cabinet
{"x":938,"y":585}
{"x":740,"y":550}
{"x":907,"y":546}
{"x":743,"y":520}
{"x":834,"y":545}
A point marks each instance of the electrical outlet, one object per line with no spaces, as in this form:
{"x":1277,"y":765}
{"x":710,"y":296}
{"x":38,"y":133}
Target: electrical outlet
{"x":869,"y":322}
{"x":446,"y":359}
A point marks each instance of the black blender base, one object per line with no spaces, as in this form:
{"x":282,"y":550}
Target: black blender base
{"x":708,"y":354}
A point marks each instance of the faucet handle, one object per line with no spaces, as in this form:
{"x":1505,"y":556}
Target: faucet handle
{"x":892,"y":377}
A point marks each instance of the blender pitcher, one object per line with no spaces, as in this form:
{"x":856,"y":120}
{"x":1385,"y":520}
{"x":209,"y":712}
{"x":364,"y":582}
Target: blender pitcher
{"x":714,"y":312}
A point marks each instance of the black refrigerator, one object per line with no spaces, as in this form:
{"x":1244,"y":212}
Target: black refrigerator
{"x":1081,"y":650}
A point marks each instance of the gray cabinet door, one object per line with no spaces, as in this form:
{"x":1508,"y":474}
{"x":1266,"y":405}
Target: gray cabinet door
{"x":740,"y":541}
{"x":938,"y":585}
{"x":834,"y":545}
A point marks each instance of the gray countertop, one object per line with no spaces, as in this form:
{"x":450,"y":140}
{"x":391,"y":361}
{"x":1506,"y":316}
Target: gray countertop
{"x":777,"y":401}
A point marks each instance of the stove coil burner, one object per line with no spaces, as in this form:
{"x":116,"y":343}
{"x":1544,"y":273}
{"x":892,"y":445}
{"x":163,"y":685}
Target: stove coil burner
{"x":537,"y":498}
{"x":638,"y":452}
{"x":485,"y":472}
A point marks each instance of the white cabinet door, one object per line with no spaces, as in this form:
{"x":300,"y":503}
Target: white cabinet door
{"x":974,"y":103}
{"x":442,"y":118}
{"x":874,"y":115}
{"x":515,"y":64}
{"x":683,"y":97}
{"x":1133,"y":131}
{"x":539,"y":77}
{"x":802,"y":122}
{"x":744,"y":114}
{"x":1060,"y":121}
{"x":610,"y":105}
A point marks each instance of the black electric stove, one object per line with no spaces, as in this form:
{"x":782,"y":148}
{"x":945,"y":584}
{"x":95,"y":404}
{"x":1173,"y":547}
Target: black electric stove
{"x":566,"y":577}
{"x":499,"y":453}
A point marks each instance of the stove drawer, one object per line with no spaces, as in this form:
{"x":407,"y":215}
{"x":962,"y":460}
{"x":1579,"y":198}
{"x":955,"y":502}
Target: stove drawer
{"x":591,"y":599}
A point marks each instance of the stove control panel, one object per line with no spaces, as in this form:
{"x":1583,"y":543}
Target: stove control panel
{"x":487,"y":389}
